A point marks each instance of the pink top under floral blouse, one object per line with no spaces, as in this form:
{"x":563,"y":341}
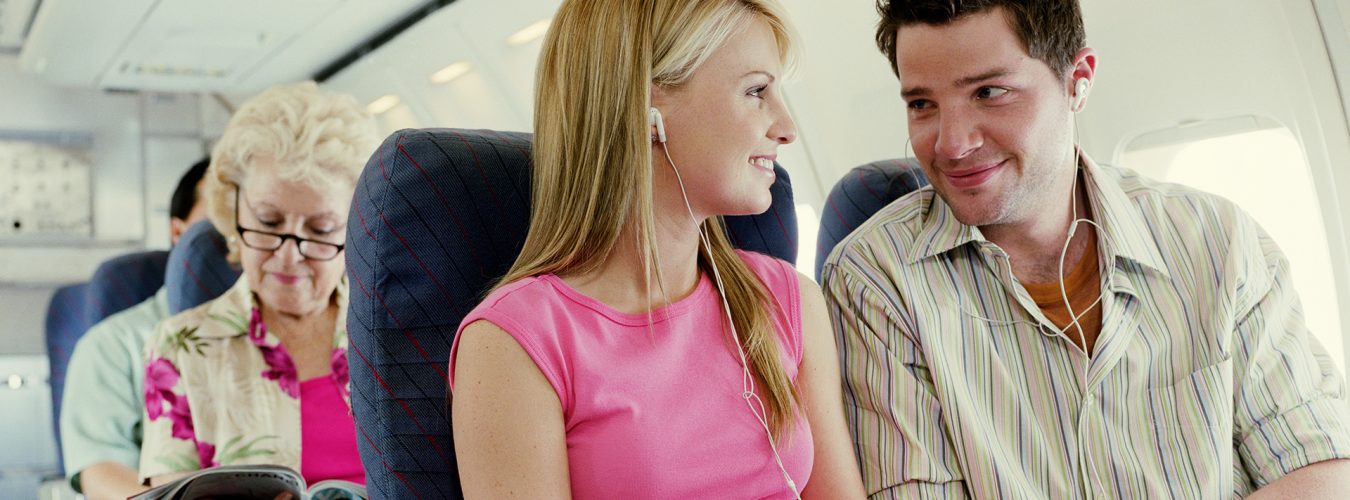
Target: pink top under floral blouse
{"x":221,"y":390}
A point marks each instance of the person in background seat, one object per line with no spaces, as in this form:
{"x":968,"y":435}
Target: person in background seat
{"x":624,"y":355}
{"x":259,"y":375}
{"x":103,"y":400}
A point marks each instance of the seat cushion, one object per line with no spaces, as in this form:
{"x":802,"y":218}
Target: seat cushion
{"x":861,"y":193}
{"x":67,"y":321}
{"x":197,"y":269}
{"x":125,"y":281}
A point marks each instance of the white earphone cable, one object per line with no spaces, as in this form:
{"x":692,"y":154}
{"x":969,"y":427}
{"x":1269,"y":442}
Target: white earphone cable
{"x":747,"y":380}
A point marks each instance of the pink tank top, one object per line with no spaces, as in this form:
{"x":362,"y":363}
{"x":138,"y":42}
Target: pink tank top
{"x":327,"y":434}
{"x":656,"y":412}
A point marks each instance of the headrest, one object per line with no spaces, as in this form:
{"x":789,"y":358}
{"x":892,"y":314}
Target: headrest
{"x":437,"y":217}
{"x":67,"y":321}
{"x":122,"y":282}
{"x":861,"y":193}
{"x":197,"y":269}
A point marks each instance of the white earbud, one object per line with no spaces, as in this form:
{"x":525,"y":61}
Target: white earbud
{"x":654,"y":119}
{"x":1080,"y":92}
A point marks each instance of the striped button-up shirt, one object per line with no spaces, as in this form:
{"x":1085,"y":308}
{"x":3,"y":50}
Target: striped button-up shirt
{"x":1204,"y":382}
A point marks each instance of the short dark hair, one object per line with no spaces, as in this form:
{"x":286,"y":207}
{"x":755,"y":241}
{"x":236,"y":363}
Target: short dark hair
{"x":185,"y":195}
{"x":1050,"y":30}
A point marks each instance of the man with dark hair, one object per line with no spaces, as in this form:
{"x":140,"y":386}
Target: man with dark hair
{"x":104,"y":400}
{"x":1037,"y":325}
{"x":183,"y":207}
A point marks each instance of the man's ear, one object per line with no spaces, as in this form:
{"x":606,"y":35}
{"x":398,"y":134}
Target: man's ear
{"x":1084,"y":68}
{"x":176,"y":229}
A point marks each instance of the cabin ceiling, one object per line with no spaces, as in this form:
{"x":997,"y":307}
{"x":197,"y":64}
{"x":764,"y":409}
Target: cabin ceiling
{"x":233,"y":47}
{"x":15,"y":16}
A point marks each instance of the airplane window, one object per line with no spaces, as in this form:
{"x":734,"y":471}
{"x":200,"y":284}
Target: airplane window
{"x":1259,"y":165}
{"x":808,"y":223}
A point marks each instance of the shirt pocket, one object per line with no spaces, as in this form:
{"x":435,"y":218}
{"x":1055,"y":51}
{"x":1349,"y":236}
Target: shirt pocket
{"x":1191,"y":422}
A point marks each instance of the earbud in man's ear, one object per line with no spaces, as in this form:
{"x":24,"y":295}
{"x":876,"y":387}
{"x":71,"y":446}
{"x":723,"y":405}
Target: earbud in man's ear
{"x":1080,"y":92}
{"x":654,"y":120}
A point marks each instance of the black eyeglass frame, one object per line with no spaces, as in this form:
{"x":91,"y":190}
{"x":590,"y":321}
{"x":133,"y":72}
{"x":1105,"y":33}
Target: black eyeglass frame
{"x":299,"y":241}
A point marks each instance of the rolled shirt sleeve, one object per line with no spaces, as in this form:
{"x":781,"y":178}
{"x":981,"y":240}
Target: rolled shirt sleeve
{"x":1290,"y":407}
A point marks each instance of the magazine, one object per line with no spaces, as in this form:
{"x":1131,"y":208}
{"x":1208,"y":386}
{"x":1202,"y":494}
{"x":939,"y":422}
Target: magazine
{"x":268,"y":482}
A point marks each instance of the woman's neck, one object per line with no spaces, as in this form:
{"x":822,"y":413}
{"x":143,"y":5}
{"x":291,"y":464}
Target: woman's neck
{"x":319,"y":323}
{"x":621,"y":282}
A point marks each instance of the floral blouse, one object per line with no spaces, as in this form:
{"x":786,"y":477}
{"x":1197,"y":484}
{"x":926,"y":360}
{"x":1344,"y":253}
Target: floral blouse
{"x":221,"y":390}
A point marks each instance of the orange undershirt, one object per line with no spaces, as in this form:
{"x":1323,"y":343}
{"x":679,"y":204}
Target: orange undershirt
{"x":1083,"y":285}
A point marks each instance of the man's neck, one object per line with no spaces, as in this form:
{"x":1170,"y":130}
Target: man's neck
{"x":1034,"y":247}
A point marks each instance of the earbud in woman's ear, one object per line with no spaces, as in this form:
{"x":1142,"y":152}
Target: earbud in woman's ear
{"x":654,"y":120}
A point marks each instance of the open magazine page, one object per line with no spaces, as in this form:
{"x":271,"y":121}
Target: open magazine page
{"x":244,"y":481}
{"x":337,"y":489}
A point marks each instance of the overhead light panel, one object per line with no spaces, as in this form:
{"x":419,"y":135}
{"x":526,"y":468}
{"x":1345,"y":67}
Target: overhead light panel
{"x":529,"y":33}
{"x":163,"y":70}
{"x":451,"y":72}
{"x":383,"y":104}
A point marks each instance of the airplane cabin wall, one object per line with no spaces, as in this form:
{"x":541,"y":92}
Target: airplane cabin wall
{"x":497,"y":91}
{"x":139,"y":144}
{"x":843,"y":95}
{"x":1166,"y":65}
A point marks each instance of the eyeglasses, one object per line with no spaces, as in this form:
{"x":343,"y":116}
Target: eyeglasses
{"x":271,"y":242}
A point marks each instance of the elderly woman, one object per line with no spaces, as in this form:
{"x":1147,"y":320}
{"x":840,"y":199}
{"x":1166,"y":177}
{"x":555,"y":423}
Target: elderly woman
{"x":259,"y":375}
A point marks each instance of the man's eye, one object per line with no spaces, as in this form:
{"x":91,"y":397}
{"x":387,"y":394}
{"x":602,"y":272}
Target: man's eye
{"x":919,"y":104}
{"x":990,"y":92}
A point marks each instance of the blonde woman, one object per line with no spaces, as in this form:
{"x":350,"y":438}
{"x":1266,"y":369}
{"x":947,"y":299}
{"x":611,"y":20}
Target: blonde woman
{"x":623,"y":356}
{"x":259,"y":375}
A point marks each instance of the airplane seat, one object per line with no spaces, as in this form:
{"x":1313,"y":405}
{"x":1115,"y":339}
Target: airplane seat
{"x":66,"y":322}
{"x":438,"y":215}
{"x":860,"y":193}
{"x":124,"y":281}
{"x":197,"y":270}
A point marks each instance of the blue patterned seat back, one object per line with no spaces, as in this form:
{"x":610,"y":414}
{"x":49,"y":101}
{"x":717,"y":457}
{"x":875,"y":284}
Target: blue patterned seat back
{"x":67,"y":321}
{"x":125,"y":281}
{"x":197,"y":269}
{"x":437,"y":217}
{"x":861,"y":193}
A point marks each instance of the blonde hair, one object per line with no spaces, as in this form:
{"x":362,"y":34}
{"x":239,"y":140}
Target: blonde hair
{"x":593,"y":153}
{"x":312,"y":136}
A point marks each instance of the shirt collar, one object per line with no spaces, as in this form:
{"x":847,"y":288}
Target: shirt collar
{"x":1127,"y":235}
{"x":941,"y":232}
